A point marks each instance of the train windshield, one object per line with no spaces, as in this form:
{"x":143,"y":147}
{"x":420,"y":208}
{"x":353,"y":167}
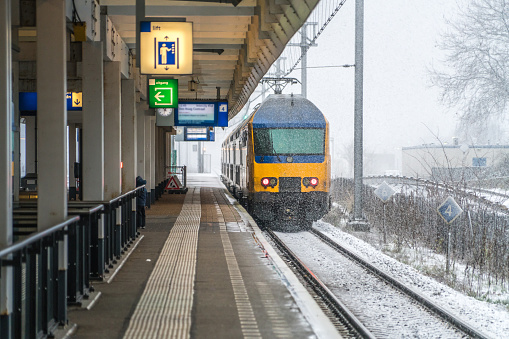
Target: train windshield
{"x":289,"y":141}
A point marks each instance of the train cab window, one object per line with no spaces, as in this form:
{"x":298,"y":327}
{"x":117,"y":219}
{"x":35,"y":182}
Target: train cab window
{"x":291,"y":141}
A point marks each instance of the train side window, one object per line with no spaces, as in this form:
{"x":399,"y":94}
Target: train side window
{"x":234,"y":154}
{"x":244,"y":138}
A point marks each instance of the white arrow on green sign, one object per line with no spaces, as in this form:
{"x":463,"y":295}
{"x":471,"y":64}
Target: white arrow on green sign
{"x":163,"y":93}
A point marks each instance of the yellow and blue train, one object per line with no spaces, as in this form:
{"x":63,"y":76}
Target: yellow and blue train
{"x":277,"y":163}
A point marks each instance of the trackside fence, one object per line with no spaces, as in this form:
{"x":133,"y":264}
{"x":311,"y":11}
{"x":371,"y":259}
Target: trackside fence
{"x":479,"y":237}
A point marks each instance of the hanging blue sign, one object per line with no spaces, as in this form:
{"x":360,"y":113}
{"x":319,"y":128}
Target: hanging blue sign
{"x":199,"y":134}
{"x":28,"y":102}
{"x":202,"y":113}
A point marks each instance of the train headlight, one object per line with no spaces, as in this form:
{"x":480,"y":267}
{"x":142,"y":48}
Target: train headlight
{"x":266,"y":182}
{"x":310,"y":181}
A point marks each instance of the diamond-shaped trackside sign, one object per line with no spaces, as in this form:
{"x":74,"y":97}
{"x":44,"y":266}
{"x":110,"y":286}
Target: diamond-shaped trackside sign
{"x":384,"y":192}
{"x":449,"y":210}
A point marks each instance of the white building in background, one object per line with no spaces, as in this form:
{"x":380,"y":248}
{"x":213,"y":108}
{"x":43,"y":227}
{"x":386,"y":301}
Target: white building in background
{"x":450,"y":162}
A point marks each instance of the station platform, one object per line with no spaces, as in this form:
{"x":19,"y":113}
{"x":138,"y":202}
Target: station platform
{"x":200,"y":269}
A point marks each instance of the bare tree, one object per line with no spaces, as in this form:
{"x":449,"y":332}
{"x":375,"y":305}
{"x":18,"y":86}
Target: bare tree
{"x":474,"y":77}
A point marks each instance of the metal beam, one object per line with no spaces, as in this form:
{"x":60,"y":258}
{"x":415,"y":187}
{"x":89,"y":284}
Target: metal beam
{"x":180,"y":11}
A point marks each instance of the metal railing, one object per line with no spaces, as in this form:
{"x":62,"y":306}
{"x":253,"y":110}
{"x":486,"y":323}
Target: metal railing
{"x":81,"y":251}
{"x":115,"y":231}
{"x":39,"y":271}
{"x":54,"y":268}
{"x":160,"y":188}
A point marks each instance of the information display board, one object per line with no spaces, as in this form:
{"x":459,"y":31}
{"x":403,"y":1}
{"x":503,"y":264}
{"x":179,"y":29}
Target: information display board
{"x":196,"y":134}
{"x":202,"y":114}
{"x":195,"y":114}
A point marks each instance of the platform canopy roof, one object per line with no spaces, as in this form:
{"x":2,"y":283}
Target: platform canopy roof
{"x":235,"y":41}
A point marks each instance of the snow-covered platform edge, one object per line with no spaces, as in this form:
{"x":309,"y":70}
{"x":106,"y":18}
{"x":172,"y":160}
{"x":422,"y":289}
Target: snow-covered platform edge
{"x":321,"y":324}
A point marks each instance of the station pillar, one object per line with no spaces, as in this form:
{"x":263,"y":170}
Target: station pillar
{"x":129,"y":124}
{"x":112,"y":130}
{"x":129,"y":139}
{"x":30,"y":145}
{"x":92,"y":182}
{"x":158,"y":152}
{"x":52,"y":141}
{"x":141,"y":107}
{"x":148,"y":154}
{"x":92,"y":134}
{"x":72,"y":160}
{"x":51,"y":113}
{"x":153,"y":157}
{"x":6,"y":286}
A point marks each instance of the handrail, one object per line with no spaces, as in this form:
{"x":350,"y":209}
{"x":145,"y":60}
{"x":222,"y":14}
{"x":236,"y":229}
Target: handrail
{"x":90,"y":210}
{"x":96,"y":209}
{"x":122,"y":195}
{"x":36,"y":237}
{"x":131,"y":191}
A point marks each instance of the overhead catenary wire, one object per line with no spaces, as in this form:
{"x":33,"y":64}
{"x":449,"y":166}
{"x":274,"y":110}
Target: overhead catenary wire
{"x":322,"y":15}
{"x":75,"y":14}
{"x":331,"y":66}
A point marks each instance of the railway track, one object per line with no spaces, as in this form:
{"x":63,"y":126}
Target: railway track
{"x":421,"y":299}
{"x":345,"y":321}
{"x":364,"y":325}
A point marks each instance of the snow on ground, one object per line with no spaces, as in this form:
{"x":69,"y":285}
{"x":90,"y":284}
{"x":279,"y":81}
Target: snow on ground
{"x":492,"y":319}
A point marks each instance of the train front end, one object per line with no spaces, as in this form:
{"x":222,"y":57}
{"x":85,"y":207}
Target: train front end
{"x":290,"y":165}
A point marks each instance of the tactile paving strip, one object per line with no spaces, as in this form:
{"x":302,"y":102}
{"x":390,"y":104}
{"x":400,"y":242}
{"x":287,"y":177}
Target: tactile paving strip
{"x":248,"y":322}
{"x":164,"y":309}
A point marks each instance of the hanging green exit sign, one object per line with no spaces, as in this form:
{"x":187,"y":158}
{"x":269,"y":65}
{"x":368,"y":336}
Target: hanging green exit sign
{"x":163,"y":93}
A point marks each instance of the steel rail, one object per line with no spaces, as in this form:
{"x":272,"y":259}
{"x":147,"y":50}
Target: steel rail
{"x":423,"y":300}
{"x":340,"y":311}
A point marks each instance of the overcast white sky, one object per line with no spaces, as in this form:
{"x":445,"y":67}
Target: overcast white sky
{"x":401,"y":108}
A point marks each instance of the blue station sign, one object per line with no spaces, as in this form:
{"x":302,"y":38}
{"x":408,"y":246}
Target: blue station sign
{"x":28,"y":101}
{"x":202,"y":113}
{"x":199,"y":134}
